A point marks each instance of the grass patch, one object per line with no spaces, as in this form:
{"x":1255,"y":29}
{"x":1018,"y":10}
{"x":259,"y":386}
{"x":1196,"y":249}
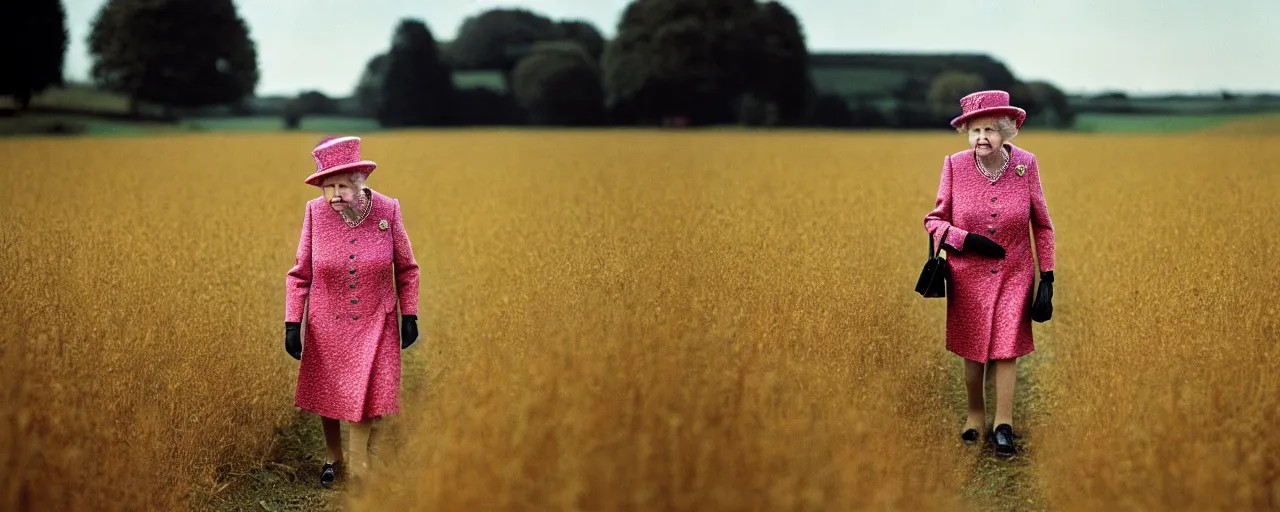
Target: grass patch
{"x":336,"y":124}
{"x":1151,"y":123}
{"x":41,"y":124}
{"x":290,"y":480}
{"x":83,"y":97}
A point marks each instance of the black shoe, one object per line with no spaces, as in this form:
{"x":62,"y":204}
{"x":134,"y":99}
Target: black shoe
{"x":969,"y":436}
{"x":1003,"y":436}
{"x":328,"y":475}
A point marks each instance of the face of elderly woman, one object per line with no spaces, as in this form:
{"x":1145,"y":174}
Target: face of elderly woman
{"x":984,"y":136}
{"x":340,"y":191}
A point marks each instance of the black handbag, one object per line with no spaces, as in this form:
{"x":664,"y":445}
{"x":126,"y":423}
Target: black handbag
{"x":933,"y":279}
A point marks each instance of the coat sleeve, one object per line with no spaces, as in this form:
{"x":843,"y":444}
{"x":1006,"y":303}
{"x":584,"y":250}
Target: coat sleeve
{"x":938,"y":220}
{"x":1041,"y":225}
{"x":298,"y":280}
{"x":406,"y":266}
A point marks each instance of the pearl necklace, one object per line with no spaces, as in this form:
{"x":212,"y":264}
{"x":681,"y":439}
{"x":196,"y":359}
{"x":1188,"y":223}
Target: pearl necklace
{"x":983,"y":169}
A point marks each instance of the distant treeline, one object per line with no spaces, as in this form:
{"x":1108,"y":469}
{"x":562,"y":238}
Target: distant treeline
{"x":672,"y":63}
{"x":1224,"y":102}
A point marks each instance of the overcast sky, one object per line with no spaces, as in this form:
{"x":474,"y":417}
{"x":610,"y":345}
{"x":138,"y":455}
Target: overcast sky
{"x":1141,"y":46}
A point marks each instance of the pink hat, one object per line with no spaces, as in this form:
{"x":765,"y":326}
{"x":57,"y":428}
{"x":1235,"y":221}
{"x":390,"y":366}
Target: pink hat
{"x":336,"y":155}
{"x":988,"y":102}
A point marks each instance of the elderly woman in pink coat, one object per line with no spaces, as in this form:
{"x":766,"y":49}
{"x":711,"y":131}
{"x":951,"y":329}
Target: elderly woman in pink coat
{"x":987,"y":196}
{"x":354,"y":268}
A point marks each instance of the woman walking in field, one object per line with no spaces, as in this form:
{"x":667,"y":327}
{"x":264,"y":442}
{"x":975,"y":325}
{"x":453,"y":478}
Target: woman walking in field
{"x":987,"y":196}
{"x":354,"y":266}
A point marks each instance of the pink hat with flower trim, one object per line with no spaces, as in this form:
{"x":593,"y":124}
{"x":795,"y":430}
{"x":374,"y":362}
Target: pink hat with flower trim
{"x":338,"y":154}
{"x":985,"y":103}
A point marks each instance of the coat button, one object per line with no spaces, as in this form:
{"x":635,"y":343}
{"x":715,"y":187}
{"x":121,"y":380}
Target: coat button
{"x":355,"y":317}
{"x":993,"y":271}
{"x":352,"y":271}
{"x":993,"y":215}
{"x":353,"y":240}
{"x":352,"y":256}
{"x":352,"y":286}
{"x":991,"y":231}
{"x":993,"y":199}
{"x":355,"y":301}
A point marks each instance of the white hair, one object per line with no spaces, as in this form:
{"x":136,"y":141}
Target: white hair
{"x":1004,"y":124}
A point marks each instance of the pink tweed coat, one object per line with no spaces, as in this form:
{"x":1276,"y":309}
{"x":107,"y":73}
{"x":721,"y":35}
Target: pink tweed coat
{"x":988,"y":299}
{"x":351,"y":280}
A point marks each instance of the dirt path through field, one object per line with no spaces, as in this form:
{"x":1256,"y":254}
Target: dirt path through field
{"x":995,"y":484}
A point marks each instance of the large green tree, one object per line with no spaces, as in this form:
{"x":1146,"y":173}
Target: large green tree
{"x":482,"y":106}
{"x":583,"y":33}
{"x":497,"y":38}
{"x":33,"y":46}
{"x":780,"y":76}
{"x":948,"y":87}
{"x":1055,"y":108}
{"x":368,"y":91}
{"x":559,"y":84}
{"x":1020,"y":95}
{"x":704,"y":60}
{"x":176,"y":53}
{"x":418,"y":87}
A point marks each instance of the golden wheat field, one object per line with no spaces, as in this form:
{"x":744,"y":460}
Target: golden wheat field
{"x":644,"y":321}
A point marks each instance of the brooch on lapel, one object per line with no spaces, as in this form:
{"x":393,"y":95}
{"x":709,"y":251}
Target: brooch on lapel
{"x":382,"y":224}
{"x":1022,"y":169}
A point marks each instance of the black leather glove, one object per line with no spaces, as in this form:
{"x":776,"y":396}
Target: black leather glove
{"x":983,"y":246}
{"x":1042,"y":308}
{"x":408,"y":330}
{"x":293,"y":339}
